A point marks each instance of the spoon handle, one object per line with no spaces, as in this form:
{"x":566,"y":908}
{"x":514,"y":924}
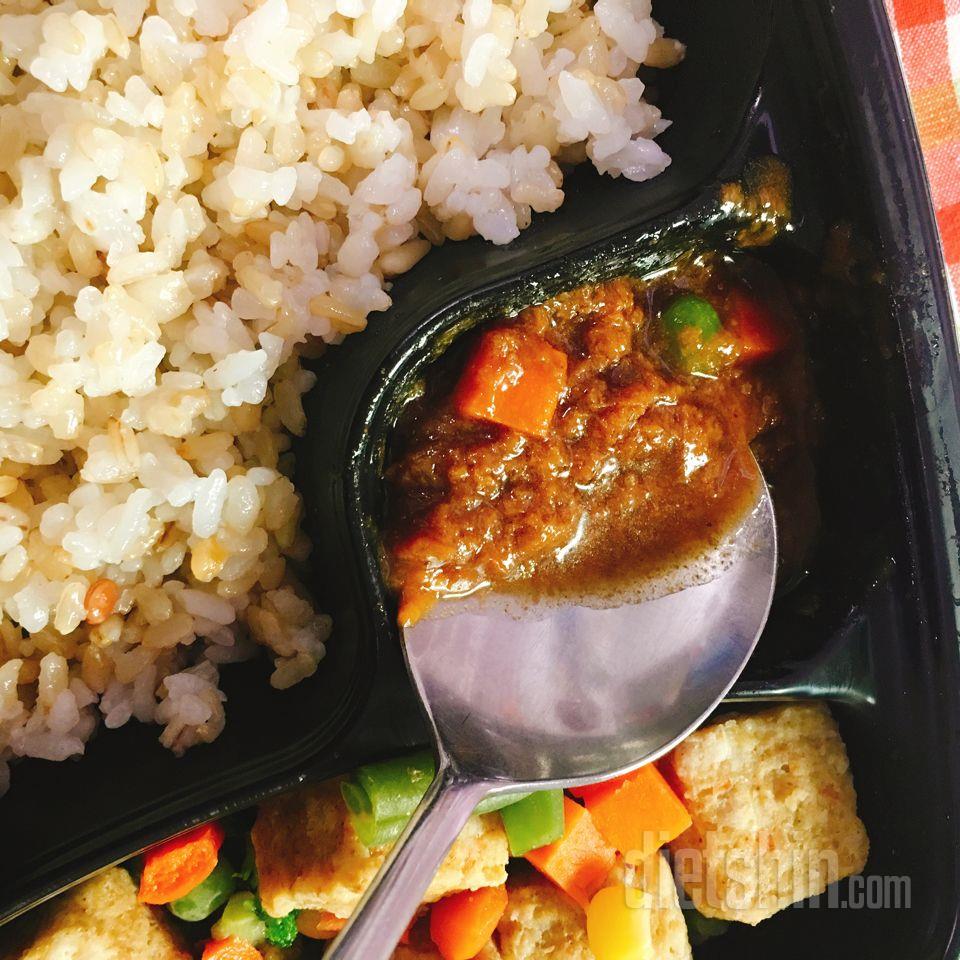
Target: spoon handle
{"x":384,"y":911}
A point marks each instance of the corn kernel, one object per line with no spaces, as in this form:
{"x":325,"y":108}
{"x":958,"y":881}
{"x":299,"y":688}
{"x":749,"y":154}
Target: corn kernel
{"x":615,"y":929}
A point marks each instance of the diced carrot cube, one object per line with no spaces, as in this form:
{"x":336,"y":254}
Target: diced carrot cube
{"x":462,"y":923}
{"x":590,"y":790}
{"x":580,"y":861}
{"x":173,"y":868}
{"x":230,"y":948}
{"x":752,"y":324}
{"x":639,"y":813}
{"x":514,"y":378}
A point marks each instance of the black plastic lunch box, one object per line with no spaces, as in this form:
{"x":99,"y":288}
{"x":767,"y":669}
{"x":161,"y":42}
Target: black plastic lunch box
{"x":873,"y":626}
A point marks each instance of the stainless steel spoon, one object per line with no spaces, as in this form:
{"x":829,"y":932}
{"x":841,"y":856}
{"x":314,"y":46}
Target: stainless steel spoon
{"x":575,"y":696}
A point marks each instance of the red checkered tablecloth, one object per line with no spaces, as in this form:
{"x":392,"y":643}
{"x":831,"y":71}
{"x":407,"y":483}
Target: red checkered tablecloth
{"x":928,"y":37}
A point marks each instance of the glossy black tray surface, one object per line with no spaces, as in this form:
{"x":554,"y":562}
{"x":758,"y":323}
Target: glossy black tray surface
{"x":873,"y":625}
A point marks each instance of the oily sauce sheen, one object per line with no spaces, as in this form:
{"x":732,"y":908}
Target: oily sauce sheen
{"x":643,"y":465}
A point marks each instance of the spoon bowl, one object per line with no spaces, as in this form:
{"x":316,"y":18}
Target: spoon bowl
{"x":572,"y":694}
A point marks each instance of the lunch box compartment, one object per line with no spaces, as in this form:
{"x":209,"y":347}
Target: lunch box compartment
{"x":871,"y":627}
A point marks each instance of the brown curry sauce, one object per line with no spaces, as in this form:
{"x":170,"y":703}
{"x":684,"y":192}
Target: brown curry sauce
{"x":643,"y":465}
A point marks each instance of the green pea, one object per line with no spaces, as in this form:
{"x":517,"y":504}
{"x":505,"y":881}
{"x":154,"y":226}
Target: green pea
{"x":240,"y":919}
{"x":207,"y":896}
{"x":690,"y":325}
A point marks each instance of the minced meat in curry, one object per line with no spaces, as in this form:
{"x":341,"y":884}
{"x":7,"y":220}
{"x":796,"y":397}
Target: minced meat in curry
{"x":590,"y":440}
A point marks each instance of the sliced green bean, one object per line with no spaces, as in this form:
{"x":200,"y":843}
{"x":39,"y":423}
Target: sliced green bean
{"x":381,"y":797}
{"x":498,"y":801}
{"x":534,"y":821}
{"x":394,"y":788}
{"x":374,"y":834}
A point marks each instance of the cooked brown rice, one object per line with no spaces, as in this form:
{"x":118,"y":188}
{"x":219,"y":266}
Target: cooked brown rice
{"x":192,"y":193}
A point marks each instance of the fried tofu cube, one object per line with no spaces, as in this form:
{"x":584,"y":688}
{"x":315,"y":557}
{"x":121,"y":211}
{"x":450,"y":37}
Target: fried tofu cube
{"x":310,"y":858}
{"x":542,"y":921}
{"x":774,"y":812}
{"x":101,"y":919}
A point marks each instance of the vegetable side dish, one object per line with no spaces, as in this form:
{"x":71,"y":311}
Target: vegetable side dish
{"x":754,"y":812}
{"x":593,"y":439}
